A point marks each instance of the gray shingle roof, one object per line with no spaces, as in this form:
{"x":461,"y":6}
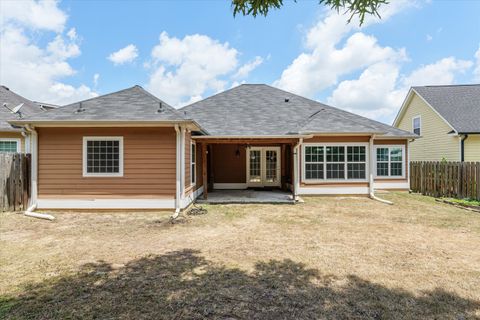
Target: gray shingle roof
{"x":262,"y":110}
{"x":12,"y":100}
{"x":132,"y":104}
{"x":458,"y":104}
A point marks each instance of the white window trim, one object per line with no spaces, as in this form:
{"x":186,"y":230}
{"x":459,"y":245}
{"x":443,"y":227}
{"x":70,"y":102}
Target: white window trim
{"x":194,"y":163}
{"x":17,"y":140}
{"x":413,"y":123}
{"x":333,"y":144}
{"x":389,"y":146}
{"x":120,"y":156}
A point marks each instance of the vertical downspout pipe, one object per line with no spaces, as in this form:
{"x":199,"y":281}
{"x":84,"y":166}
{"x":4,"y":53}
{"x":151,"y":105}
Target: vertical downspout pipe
{"x":296,"y":162}
{"x":177,"y":171}
{"x":371,"y":169}
{"x":34,"y":177}
{"x":462,"y":147}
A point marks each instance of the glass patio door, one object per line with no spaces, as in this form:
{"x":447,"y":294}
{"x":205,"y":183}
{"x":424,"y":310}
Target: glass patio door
{"x":263,"y":167}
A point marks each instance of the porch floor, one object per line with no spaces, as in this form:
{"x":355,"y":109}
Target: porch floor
{"x":247,"y":196}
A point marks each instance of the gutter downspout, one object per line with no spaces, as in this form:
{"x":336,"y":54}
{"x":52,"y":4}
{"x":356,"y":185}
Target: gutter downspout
{"x":462,"y":147}
{"x":296,"y":176}
{"x":371,"y":181}
{"x":178,"y":168}
{"x":34,"y":177}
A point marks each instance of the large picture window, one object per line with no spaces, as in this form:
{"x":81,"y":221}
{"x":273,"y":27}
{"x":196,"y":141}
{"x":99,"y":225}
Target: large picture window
{"x":193,"y":155}
{"x":9,"y":145}
{"x":390,"y":161}
{"x":102,"y":156}
{"x":335,"y":162}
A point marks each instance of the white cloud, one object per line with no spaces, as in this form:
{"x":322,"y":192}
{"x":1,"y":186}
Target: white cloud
{"x":379,"y":91}
{"x":124,"y":55}
{"x":440,"y":72}
{"x":476,"y":72}
{"x":96,"y":76}
{"x":325,"y":60}
{"x":189,"y":67}
{"x":248,"y":67}
{"x":32,"y":70}
{"x":429,"y":38}
{"x":374,"y":94}
{"x":43,"y":15}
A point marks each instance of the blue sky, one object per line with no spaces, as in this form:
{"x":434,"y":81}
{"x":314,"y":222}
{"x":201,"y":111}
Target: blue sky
{"x":183,"y":51}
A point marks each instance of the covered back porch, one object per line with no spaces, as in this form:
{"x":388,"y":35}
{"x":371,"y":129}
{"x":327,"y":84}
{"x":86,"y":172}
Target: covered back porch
{"x":247,"y":170}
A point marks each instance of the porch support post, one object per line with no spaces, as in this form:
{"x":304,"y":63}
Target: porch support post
{"x":296,"y":167}
{"x":204,"y":170}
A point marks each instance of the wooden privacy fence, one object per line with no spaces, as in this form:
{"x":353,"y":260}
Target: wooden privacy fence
{"x":446,"y":179}
{"x":14,"y":181}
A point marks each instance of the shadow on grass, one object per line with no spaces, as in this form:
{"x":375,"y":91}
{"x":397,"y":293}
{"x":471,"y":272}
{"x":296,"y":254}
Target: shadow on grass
{"x":184,"y":285}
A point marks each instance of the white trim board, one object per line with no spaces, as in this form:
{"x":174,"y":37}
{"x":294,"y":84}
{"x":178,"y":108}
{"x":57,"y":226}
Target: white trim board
{"x":229,"y":186}
{"x":106,"y":203}
{"x":329,"y":190}
{"x":391,"y":185}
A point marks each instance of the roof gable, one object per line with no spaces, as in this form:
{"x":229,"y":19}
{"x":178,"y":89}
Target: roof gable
{"x":457,"y":105}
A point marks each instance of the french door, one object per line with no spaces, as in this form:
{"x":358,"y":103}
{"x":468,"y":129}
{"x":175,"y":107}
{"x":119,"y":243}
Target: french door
{"x":263,"y":167}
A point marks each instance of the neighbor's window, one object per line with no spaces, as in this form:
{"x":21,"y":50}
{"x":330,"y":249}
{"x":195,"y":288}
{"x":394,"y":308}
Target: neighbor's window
{"x":193,"y":154}
{"x":417,"y":123}
{"x":103,"y":156}
{"x":390,"y":161}
{"x":335,"y":162}
{"x":9,"y":145}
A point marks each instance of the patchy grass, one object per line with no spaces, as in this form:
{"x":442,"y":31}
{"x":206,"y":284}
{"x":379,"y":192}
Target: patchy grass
{"x":465,"y":202}
{"x":326,"y":258}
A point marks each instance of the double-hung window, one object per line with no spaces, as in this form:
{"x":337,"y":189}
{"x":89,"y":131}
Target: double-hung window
{"x":9,"y":145}
{"x":335,"y":162}
{"x":102,"y":156}
{"x":417,"y":125}
{"x":390,"y":161}
{"x":193,"y":155}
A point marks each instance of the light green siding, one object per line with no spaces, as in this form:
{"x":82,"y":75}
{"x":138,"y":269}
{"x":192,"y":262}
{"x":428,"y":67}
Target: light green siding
{"x":435,"y":143}
{"x":472,"y":148}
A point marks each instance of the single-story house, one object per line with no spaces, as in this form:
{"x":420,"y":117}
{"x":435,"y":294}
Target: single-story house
{"x":11,"y":137}
{"x":448,"y":120}
{"x":131,"y":150}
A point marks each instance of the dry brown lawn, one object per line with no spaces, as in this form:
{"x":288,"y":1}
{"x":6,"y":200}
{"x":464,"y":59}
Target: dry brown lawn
{"x":328,"y":258}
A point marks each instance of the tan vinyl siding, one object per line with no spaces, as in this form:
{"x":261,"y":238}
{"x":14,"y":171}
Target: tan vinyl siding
{"x":435,"y":143}
{"x":149,"y":164}
{"x":14,"y":135}
{"x":472,"y":148}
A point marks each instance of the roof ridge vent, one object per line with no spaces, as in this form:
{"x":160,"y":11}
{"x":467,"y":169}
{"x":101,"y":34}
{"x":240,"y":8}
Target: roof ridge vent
{"x":80,"y":108}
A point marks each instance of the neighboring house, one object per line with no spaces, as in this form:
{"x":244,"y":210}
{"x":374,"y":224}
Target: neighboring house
{"x":129,"y":149}
{"x":11,"y":137}
{"x":448,"y":120}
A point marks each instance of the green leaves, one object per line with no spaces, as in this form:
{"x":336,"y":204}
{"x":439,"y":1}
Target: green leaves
{"x":360,"y":8}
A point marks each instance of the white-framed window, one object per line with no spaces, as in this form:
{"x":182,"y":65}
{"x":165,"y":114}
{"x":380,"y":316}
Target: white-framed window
{"x":335,"y":162}
{"x":417,"y":124}
{"x":193,"y":167}
{"x":390,"y":161}
{"x":9,"y":145}
{"x":102,"y":156}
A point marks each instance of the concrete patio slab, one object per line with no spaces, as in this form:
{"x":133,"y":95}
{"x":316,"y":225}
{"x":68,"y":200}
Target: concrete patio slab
{"x":247,"y":196}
